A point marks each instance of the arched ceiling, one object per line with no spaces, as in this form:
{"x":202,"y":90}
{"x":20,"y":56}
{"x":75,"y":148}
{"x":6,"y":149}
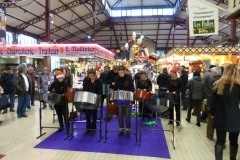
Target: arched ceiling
{"x":73,"y":21}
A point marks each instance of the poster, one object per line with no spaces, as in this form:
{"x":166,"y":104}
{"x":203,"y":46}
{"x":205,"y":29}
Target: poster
{"x":203,"y":18}
{"x":2,"y":27}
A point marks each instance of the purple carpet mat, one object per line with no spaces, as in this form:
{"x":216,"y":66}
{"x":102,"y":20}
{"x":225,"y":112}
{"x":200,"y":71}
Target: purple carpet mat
{"x":153,"y":142}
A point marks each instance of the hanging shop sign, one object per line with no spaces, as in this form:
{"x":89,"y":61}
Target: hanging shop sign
{"x":62,"y":50}
{"x":2,"y":26}
{"x":203,"y":18}
{"x":233,"y":8}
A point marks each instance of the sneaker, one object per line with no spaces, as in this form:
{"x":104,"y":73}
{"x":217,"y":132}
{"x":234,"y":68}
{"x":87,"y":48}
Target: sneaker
{"x":188,"y":120}
{"x":121,"y":132}
{"x":12,"y":110}
{"x":60,"y":129}
{"x":44,"y":106}
{"x":50,"y":106}
{"x":24,"y":116}
{"x":178,"y":124}
{"x":32,"y":104}
{"x":87,"y":132}
{"x":198,"y":124}
{"x":170,"y":122}
{"x":4,"y":112}
{"x":19,"y":116}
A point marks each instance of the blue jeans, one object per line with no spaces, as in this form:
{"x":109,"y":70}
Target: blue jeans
{"x":128,"y":116}
{"x":32,"y":98}
{"x":23,"y":102}
{"x":10,"y":96}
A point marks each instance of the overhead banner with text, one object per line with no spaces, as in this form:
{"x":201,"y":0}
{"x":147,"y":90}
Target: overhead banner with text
{"x":203,"y":18}
{"x":60,"y":50}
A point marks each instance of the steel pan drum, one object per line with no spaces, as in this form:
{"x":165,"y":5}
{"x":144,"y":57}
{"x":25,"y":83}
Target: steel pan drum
{"x":86,"y":100}
{"x":121,"y":97}
{"x":70,"y":93}
{"x":105,"y":89}
{"x":52,"y":98}
{"x":159,"y":105}
{"x":141,"y":94}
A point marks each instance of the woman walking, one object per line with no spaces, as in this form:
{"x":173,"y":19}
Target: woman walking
{"x":225,"y":111}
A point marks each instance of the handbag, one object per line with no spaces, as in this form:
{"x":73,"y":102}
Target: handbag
{"x":188,"y":93}
{"x":4,"y":104}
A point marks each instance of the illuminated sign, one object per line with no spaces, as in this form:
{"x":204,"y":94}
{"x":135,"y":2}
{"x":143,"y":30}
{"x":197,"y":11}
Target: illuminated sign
{"x":62,"y":50}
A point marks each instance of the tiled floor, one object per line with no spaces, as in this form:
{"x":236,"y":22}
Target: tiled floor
{"x":18,"y":137}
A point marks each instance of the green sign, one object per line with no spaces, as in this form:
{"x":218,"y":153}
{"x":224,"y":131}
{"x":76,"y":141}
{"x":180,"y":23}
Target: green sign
{"x":204,"y":27}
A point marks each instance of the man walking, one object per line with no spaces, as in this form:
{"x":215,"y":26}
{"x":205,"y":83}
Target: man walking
{"x":32,"y":75}
{"x":184,"y":78}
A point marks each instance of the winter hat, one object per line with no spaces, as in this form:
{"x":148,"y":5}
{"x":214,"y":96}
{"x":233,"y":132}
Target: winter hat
{"x":8,"y":68}
{"x":59,"y":74}
{"x":174,"y":71}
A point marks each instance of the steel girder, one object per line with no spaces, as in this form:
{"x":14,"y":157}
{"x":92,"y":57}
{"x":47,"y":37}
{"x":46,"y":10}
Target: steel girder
{"x":169,"y":3}
{"x":75,"y":21}
{"x":115,"y":4}
{"x":105,"y":23}
{"x":55,"y":11}
{"x":142,"y":19}
{"x":181,"y":5}
{"x":101,"y":6}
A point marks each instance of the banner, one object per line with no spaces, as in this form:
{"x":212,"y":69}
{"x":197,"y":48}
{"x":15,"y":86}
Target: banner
{"x":203,"y":18}
{"x":61,"y":50}
{"x":2,"y":27}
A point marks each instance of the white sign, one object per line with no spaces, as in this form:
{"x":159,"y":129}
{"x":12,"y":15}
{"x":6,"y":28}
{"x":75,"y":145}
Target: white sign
{"x":203,"y":18}
{"x":233,"y":6}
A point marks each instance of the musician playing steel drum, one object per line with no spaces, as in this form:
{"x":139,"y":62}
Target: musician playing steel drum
{"x":60,"y":87}
{"x":94,"y":85}
{"x":124,"y":82}
{"x":144,"y":84}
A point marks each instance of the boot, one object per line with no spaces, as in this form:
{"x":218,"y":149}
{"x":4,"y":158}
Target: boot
{"x":218,"y":152}
{"x":233,"y":152}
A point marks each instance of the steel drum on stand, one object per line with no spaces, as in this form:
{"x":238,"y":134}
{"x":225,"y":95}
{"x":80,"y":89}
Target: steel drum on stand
{"x":86,"y":100}
{"x":52,"y":98}
{"x":122,"y":97}
{"x":105,"y":88}
{"x":141,"y":95}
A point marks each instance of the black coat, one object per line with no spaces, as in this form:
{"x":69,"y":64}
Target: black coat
{"x":225,"y":109}
{"x":163,"y":80}
{"x":19,"y":85}
{"x":95,"y":87}
{"x":104,"y":78}
{"x":124,"y":83}
{"x":111,"y":78}
{"x":184,"y":77}
{"x":146,"y":85}
{"x":59,"y":87}
{"x":6,"y":82}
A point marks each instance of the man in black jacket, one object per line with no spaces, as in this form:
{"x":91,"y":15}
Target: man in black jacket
{"x":6,"y":82}
{"x":163,"y":79}
{"x":112,"y":74}
{"x":124,"y":82}
{"x":184,"y":78}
